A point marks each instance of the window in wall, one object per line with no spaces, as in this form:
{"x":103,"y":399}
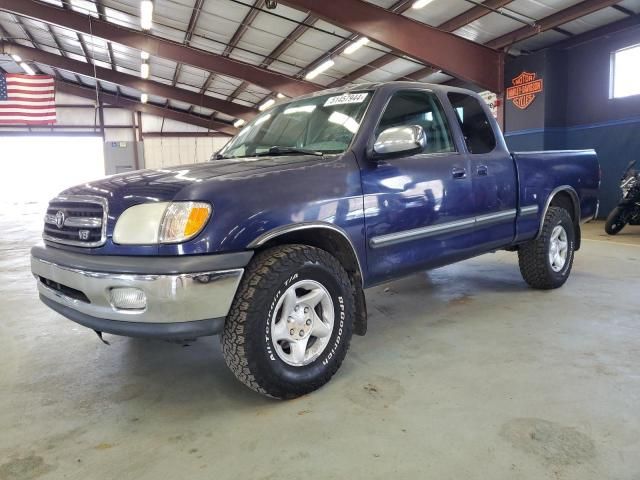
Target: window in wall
{"x":419,"y":108}
{"x":474,"y":123}
{"x":625,"y":71}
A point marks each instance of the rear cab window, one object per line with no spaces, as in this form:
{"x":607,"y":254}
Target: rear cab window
{"x":474,"y":123}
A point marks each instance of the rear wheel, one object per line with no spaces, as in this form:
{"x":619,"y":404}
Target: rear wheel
{"x":616,"y":221}
{"x":290,"y":326}
{"x":545,"y":263}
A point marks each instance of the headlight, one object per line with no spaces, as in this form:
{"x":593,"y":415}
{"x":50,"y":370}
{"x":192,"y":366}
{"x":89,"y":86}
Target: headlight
{"x":184,"y":220}
{"x":164,"y":222}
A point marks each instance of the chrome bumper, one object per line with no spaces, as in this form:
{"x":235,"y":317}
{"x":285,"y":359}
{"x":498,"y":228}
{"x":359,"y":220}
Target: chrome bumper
{"x":171,"y":298}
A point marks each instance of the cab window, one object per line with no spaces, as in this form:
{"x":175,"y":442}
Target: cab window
{"x":474,"y":123}
{"x":419,"y":108}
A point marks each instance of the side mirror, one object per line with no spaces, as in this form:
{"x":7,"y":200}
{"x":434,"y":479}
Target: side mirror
{"x":399,"y":141}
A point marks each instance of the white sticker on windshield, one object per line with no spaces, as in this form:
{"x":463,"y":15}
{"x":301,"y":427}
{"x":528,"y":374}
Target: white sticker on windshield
{"x":346,"y":99}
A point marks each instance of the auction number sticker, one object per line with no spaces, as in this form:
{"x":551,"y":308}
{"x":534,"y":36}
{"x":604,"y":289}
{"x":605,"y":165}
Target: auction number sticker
{"x":346,"y":99}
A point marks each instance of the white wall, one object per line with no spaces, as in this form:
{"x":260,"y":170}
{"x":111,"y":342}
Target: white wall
{"x":38,"y":168}
{"x":171,"y":151}
{"x":158,"y":151}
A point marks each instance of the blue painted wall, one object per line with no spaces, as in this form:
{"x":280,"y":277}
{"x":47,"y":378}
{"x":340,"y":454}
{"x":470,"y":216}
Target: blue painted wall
{"x":575,"y":110}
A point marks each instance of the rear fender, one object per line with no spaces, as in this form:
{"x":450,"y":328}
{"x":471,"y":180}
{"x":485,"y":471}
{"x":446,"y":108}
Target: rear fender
{"x":564,"y":196}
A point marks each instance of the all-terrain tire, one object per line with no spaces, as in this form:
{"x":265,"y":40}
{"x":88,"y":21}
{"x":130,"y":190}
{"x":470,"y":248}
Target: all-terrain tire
{"x":247,"y":344}
{"x":534,"y":260}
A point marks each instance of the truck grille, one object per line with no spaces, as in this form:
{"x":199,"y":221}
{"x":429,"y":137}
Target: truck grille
{"x":76,"y":220}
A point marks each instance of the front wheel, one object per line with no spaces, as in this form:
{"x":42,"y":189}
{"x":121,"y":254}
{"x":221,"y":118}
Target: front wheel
{"x":291,"y":322}
{"x":545,"y":263}
{"x":616,"y":221}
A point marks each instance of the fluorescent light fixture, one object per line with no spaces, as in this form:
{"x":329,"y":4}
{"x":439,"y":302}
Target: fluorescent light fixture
{"x":17,"y":58}
{"x":418,"y":4}
{"x":266,"y":105}
{"x":240,"y":122}
{"x":357,"y":45}
{"x":27,"y":68}
{"x":302,"y":109}
{"x":281,"y":96}
{"x":144,"y":70}
{"x":144,"y":98}
{"x":323,"y":67}
{"x":144,"y":55}
{"x":146,"y":14}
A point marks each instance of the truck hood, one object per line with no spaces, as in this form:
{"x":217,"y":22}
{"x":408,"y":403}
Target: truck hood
{"x":163,"y":184}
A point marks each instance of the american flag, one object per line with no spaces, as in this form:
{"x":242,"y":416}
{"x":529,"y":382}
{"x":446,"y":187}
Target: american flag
{"x":27,"y":99}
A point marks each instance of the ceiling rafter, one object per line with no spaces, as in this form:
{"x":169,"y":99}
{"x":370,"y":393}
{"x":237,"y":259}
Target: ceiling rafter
{"x":112,"y":58}
{"x":103,"y":14}
{"x":160,"y":47}
{"x":552,"y":21}
{"x":254,"y":10}
{"x":127,"y":80}
{"x":307,"y":23}
{"x":458,"y":56}
{"x":193,"y":22}
{"x":624,"y":10}
{"x":83,"y":45}
{"x":148,"y":108}
{"x":36,"y":44}
{"x":282,"y":47}
{"x":398,"y":8}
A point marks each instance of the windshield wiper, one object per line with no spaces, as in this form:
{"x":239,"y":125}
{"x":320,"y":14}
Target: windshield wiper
{"x":289,"y":151}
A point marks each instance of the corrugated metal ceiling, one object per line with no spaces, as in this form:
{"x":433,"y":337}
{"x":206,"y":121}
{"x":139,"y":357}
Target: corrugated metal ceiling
{"x":220,"y":20}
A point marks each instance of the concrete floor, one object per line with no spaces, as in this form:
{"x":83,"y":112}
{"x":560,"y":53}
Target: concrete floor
{"x":465,"y":374}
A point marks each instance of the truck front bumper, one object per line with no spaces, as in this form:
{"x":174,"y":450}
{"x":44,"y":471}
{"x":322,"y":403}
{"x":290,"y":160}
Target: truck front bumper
{"x":161,"y":297}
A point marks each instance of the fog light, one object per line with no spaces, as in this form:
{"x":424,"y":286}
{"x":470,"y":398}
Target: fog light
{"x":128,"y":299}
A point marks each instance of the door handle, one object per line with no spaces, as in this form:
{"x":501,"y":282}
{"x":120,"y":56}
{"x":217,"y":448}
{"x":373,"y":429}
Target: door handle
{"x":457,"y":172}
{"x":483,"y":170}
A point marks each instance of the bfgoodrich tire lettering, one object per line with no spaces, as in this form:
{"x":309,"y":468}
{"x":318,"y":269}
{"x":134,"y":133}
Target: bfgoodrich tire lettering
{"x":534,"y":257}
{"x":247,"y":340}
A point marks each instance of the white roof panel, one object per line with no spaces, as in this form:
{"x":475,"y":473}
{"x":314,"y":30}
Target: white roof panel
{"x":438,"y":11}
{"x":633,"y":5}
{"x":542,"y":40}
{"x":437,"y":78}
{"x":537,"y":9}
{"x":349,"y":63}
{"x":314,"y":43}
{"x":218,"y":21}
{"x":246,"y":56}
{"x":285,"y":68}
{"x":382,"y":3}
{"x":174,"y":13}
{"x":594,"y":20}
{"x":396,"y":69}
{"x":120,"y":18}
{"x":488,"y":27}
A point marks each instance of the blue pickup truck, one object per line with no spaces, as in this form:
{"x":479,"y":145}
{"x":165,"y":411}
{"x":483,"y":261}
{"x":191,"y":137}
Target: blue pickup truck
{"x":272,"y":243}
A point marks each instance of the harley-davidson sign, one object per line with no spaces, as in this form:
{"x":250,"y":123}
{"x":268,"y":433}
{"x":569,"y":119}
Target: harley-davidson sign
{"x":524,"y":90}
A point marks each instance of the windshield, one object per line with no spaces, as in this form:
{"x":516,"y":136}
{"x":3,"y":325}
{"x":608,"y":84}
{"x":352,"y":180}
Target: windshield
{"x":319,"y":125}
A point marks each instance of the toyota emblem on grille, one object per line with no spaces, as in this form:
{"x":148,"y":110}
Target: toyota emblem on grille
{"x":60,"y":219}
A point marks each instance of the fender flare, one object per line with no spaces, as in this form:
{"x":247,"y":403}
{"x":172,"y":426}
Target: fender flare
{"x":296,"y":227}
{"x":574,"y":199}
{"x":360,"y":322}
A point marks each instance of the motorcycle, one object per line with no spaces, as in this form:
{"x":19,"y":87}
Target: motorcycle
{"x":628,"y":210}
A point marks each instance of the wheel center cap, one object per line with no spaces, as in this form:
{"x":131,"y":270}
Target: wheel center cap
{"x":300,"y":322}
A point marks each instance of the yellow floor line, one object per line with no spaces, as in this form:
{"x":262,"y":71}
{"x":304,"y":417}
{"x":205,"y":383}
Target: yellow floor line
{"x":611,"y":242}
